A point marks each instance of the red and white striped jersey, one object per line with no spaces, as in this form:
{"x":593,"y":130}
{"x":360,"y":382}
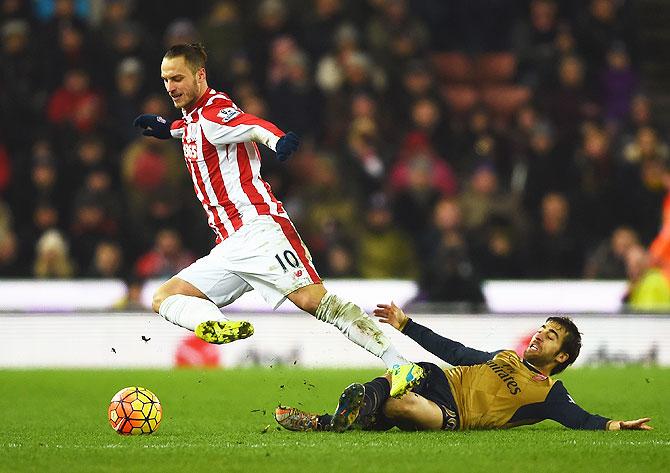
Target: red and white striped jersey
{"x":220,"y":151}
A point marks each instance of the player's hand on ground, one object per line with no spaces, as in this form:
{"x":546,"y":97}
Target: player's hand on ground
{"x":154,"y":125}
{"x":392,"y":315}
{"x":638,"y":424}
{"x":287,"y":145}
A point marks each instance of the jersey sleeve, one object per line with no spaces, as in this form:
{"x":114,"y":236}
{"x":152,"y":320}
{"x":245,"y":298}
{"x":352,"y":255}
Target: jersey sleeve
{"x":177,"y":129}
{"x":223,"y":123}
{"x":452,"y":352}
{"x":559,"y":406}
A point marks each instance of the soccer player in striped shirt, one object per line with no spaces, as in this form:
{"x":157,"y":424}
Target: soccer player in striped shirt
{"x":257,"y":246}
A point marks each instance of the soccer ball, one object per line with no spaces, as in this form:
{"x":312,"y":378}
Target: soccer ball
{"x":134,"y":411}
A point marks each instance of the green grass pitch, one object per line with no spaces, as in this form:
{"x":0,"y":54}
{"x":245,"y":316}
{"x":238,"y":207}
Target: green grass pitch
{"x":218,"y":420}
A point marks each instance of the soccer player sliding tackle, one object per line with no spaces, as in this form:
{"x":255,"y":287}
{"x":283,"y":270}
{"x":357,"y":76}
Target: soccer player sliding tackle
{"x":257,"y":244}
{"x":483,"y":390}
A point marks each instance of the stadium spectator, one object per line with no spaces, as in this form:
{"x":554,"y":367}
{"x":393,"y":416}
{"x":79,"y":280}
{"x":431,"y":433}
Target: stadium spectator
{"x":571,"y":101}
{"x":339,"y":261}
{"x":640,"y":115}
{"x":125,"y":100}
{"x":45,"y":181}
{"x":223,"y":32}
{"x":448,"y":272}
{"x":20,"y":75}
{"x":75,"y":106}
{"x":415,"y":191}
{"x":608,"y":260}
{"x":647,"y":145}
{"x":618,"y":84}
{"x":330,"y":211}
{"x":483,"y":199}
{"x":596,"y":187}
{"x":384,"y":252}
{"x":395,"y":36}
{"x":649,"y":287}
{"x":534,"y":40}
{"x":107,"y":261}
{"x":292,"y":97}
{"x":555,"y":249}
{"x":92,"y":223}
{"x":497,"y":253}
{"x":9,"y":249}
{"x":605,"y":21}
{"x":133,"y":298}
{"x":90,"y":154}
{"x":115,"y":14}
{"x":5,"y":170}
{"x":52,"y":259}
{"x":147,"y":166}
{"x":180,"y":31}
{"x":166,"y":258}
{"x":543,"y":168}
{"x":44,"y":217}
{"x":365,"y":162}
{"x":320,"y":25}
{"x":469,"y":140}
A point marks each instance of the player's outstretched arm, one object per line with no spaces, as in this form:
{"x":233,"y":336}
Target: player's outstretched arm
{"x":638,"y":424}
{"x":392,"y":315}
{"x":452,"y":352}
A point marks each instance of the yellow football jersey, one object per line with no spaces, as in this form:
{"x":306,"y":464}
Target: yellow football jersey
{"x":487,"y":395}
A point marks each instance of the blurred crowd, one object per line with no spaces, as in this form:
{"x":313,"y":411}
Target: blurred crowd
{"x":449,"y":141}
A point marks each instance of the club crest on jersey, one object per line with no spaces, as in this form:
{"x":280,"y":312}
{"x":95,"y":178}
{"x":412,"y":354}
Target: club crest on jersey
{"x":228,"y":113}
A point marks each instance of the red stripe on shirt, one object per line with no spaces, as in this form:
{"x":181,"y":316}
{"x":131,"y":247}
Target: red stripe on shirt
{"x":218,"y":227}
{"x":280,"y":207}
{"x":247,"y":181}
{"x":297,"y":245}
{"x":216,"y":181}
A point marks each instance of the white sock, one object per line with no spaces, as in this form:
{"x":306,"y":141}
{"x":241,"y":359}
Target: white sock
{"x":189,"y":311}
{"x":358,"y":327}
{"x":391,"y":357}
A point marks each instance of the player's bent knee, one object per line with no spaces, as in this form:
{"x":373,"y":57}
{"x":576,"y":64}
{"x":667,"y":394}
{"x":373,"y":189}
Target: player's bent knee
{"x":400,"y":408}
{"x":172,"y":287}
{"x":159,"y":296}
{"x":308,"y":298}
{"x":165,"y":290}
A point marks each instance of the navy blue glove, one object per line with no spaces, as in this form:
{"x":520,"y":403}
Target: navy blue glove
{"x":154,"y":125}
{"x":287,"y":145}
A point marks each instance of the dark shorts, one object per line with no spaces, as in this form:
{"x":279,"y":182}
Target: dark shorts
{"x":435,"y":387}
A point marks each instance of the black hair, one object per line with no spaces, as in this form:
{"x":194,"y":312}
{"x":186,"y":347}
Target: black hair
{"x":572,"y":342}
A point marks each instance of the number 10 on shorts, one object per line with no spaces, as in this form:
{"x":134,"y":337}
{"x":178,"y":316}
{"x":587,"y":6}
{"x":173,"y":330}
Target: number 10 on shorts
{"x":290,"y":258}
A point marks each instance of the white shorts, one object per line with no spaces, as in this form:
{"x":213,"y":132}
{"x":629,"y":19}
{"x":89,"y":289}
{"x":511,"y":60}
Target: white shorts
{"x":266,"y":254}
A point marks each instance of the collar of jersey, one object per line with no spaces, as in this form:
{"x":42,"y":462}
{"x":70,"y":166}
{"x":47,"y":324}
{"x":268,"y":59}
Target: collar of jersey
{"x":200,"y":103}
{"x":532,"y":368}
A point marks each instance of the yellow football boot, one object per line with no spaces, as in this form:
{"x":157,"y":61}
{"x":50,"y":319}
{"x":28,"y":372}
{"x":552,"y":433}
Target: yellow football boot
{"x":404,"y":378}
{"x":224,"y":331}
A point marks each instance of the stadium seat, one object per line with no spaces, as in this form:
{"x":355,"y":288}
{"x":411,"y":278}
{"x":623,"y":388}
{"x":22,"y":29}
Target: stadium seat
{"x":495,"y":67}
{"x":504,"y":100}
{"x":460,"y":99}
{"x":453,"y":66}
